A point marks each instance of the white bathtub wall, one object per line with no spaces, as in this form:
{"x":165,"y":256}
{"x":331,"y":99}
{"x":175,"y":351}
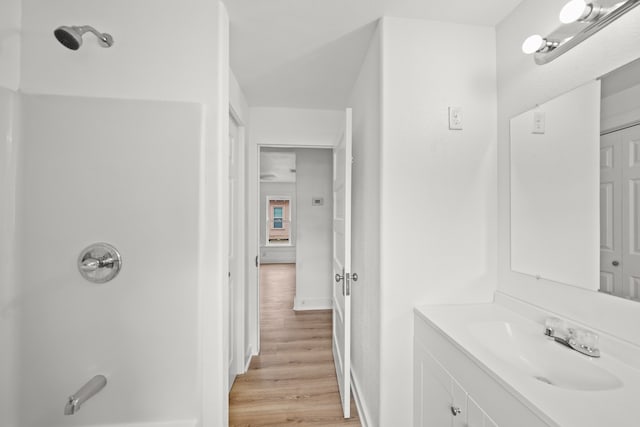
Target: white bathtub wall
{"x":122,"y":172}
{"x":10,"y":14}
{"x":163,"y":51}
{"x":9,"y":82}
{"x":8,"y":312}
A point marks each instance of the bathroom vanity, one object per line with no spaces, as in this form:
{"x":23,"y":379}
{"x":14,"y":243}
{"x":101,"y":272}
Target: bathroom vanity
{"x":486,"y":365}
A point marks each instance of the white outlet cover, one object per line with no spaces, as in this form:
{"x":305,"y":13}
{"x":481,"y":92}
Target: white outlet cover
{"x":455,"y":118}
{"x":539,"y":124}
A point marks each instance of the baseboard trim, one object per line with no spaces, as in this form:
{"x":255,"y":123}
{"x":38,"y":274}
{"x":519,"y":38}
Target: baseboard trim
{"x":363,"y":411}
{"x":305,"y":304}
{"x":247,"y":359}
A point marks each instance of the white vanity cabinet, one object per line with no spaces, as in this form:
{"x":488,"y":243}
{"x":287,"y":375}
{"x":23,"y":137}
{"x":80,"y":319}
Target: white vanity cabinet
{"x":452,"y":390}
{"x":439,"y":400}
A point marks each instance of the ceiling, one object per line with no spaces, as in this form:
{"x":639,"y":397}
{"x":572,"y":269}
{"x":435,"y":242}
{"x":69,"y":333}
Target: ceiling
{"x":307,"y":53}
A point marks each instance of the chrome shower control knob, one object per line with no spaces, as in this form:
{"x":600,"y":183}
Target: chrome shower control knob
{"x":99,"y":263}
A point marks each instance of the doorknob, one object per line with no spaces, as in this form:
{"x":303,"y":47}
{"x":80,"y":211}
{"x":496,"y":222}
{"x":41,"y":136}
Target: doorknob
{"x":615,"y":263}
{"x":339,"y":277}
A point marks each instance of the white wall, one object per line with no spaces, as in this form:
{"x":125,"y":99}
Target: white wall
{"x":438,"y":187}
{"x":8,"y":308}
{"x":158,"y":51}
{"x":9,"y":79}
{"x":620,"y":108}
{"x":295,"y":127}
{"x":521,"y":85}
{"x":10,"y":11}
{"x":366,"y":100}
{"x":277,"y":254}
{"x":123,"y":174}
{"x":162,"y":51}
{"x":314,"y":242}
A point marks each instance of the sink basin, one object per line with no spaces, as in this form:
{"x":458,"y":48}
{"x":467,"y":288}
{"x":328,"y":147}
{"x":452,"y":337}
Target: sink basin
{"x":524,"y":348}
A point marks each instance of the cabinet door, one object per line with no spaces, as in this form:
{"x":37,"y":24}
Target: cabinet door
{"x":432,"y":392}
{"x":475,"y":416}
{"x":458,"y":406}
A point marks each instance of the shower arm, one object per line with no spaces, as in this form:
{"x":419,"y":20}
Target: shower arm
{"x":103,"y":37}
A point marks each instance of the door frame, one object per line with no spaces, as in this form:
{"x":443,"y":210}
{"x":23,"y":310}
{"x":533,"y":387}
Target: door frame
{"x":238,"y":236}
{"x":252,"y":316}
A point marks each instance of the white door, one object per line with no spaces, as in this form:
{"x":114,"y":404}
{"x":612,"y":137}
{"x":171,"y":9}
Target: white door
{"x":611,"y":214}
{"x":342,"y":162}
{"x":620,"y":213}
{"x":232,"y":258}
{"x":630,"y":262}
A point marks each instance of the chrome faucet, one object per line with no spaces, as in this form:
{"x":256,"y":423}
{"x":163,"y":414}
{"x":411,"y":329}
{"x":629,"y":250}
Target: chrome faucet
{"x":580,"y":340}
{"x":86,"y":392}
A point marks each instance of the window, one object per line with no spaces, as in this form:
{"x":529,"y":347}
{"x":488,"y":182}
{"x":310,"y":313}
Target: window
{"x":278,"y":221}
{"x":277,"y":217}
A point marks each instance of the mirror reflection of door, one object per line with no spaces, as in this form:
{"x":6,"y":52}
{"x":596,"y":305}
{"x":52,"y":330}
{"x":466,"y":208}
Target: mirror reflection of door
{"x":620,"y":213}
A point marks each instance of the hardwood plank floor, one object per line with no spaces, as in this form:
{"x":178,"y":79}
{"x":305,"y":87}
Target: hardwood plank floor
{"x":293,"y":380}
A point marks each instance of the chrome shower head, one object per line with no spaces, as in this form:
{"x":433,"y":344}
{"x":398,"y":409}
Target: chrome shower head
{"x":71,"y":37}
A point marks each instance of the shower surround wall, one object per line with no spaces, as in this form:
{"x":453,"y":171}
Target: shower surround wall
{"x":9,"y":82}
{"x":8,"y":311}
{"x":123,"y":145}
{"x":116,"y":171}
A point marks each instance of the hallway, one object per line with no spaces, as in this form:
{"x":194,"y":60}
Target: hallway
{"x":293,"y":380}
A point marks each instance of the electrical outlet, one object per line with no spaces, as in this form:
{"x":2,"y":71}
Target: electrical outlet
{"x":538,"y":122}
{"x":455,"y":118}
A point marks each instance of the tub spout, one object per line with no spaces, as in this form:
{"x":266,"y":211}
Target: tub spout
{"x":72,"y":406}
{"x":86,"y":392}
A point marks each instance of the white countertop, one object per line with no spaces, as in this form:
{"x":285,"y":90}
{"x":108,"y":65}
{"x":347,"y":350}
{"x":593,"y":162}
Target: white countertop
{"x":619,"y":407}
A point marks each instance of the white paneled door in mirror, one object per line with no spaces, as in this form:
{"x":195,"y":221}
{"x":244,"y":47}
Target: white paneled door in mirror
{"x":555,"y":168}
{"x":620,"y":213}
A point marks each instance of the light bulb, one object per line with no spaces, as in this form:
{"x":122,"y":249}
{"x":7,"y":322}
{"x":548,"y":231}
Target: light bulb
{"x":573,"y":11}
{"x":532,"y":44}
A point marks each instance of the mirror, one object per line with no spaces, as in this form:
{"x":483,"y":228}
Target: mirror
{"x":575,"y":187}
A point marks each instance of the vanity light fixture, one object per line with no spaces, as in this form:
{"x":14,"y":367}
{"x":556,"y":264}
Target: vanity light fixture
{"x":536,"y":43}
{"x":580,"y":10}
{"x":580,"y":20}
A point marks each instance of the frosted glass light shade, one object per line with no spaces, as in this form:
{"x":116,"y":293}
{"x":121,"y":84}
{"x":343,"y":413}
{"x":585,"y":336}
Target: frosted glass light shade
{"x":532,"y":44}
{"x":573,"y":11}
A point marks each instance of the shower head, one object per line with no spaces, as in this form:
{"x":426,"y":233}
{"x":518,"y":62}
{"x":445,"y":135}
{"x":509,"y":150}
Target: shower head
{"x":71,"y":37}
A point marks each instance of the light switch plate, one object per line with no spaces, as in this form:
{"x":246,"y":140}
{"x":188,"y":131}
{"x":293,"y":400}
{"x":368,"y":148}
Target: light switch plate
{"x":455,"y":118}
{"x":539,"y":122}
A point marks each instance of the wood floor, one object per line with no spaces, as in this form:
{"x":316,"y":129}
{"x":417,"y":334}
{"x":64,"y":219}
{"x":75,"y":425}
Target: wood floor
{"x":293,"y":380}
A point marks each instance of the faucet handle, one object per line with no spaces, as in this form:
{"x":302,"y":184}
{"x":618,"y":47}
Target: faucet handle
{"x":586,"y":338}
{"x":553,"y":325}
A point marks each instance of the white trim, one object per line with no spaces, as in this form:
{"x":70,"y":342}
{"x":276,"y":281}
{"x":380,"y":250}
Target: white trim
{"x":247,"y":359}
{"x":307,"y":304}
{"x":363,"y":410}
